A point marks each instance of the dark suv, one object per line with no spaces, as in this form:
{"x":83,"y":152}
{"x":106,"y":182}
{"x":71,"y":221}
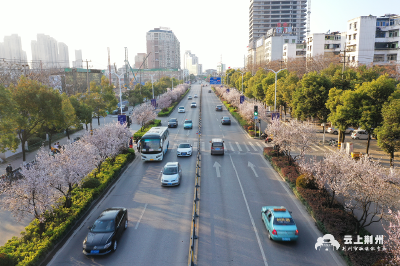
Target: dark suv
{"x":173,"y":122}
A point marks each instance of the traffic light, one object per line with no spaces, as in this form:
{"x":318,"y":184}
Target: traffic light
{"x":255,"y":110}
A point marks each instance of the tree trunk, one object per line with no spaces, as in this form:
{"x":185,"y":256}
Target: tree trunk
{"x":23,"y":151}
{"x":98,"y":120}
{"x":42,"y":227}
{"x":391,"y":158}
{"x":49,"y":140}
{"x":67,"y":131}
{"x":369,"y":138}
{"x":86,"y":127}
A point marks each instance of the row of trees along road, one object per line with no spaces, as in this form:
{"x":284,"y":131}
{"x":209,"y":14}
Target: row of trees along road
{"x":365,"y":97}
{"x":30,"y":107}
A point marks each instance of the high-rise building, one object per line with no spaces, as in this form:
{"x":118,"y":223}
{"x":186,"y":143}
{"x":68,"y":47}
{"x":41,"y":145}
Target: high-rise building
{"x":164,"y":49}
{"x":192,"y":63}
{"x":46,"y":53}
{"x":265,"y":15}
{"x":11,"y":49}
{"x":63,"y":55}
{"x":78,"y":59}
{"x":139,"y":58}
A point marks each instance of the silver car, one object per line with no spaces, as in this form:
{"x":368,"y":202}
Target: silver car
{"x":171,"y":174}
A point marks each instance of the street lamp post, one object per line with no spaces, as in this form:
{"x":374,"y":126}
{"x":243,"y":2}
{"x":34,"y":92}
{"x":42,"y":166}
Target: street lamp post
{"x":152,"y":88}
{"x":242,"y":82}
{"x":120,"y":92}
{"x":276,"y":77}
{"x":172,"y":79}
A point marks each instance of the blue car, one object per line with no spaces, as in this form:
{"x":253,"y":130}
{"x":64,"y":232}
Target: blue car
{"x":279,"y":223}
{"x":188,"y":124}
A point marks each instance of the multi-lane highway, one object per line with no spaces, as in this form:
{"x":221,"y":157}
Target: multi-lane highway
{"x":234,"y":188}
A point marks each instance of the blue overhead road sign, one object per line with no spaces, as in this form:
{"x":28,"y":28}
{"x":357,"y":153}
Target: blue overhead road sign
{"x":215,"y":80}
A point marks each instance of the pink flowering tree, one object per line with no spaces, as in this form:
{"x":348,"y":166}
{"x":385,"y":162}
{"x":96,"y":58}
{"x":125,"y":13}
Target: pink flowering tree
{"x":143,"y":114}
{"x":69,"y":168}
{"x":393,"y":242}
{"x":32,"y":194}
{"x":164,"y":101}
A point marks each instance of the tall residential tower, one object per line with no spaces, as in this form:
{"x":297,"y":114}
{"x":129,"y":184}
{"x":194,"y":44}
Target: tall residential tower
{"x":164,"y":49}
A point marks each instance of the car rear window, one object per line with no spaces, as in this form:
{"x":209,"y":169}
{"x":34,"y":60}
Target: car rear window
{"x":184,"y":146}
{"x":226,"y":118}
{"x":283,"y":221}
{"x":217,"y":144}
{"x":188,"y":121}
{"x":172,"y":120}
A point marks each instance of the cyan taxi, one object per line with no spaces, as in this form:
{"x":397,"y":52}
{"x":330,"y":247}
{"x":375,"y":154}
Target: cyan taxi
{"x":188,"y":124}
{"x":279,"y":223}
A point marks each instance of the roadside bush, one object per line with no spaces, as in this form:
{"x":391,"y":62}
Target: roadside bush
{"x":6,"y":260}
{"x":165,"y":109}
{"x":290,"y":172}
{"x":91,"y":183}
{"x":303,"y":181}
{"x":280,"y":162}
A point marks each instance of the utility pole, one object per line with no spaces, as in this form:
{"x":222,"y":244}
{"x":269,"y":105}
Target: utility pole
{"x":126,"y":68}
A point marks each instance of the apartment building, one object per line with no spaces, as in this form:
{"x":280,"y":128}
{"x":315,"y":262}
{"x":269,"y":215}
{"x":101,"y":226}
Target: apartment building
{"x":325,"y":44}
{"x":372,"y":39}
{"x":139,"y":60}
{"x":192,"y":63}
{"x":11,"y":49}
{"x":294,"y":51}
{"x":164,"y":49}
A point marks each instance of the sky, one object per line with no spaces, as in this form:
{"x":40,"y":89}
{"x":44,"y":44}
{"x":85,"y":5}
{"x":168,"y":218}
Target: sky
{"x":209,"y":29}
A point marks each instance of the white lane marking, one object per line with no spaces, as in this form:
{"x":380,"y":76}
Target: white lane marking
{"x":217,"y":166}
{"x":254,"y":148}
{"x":314,"y":149}
{"x":265,"y":144}
{"x":230,"y":144}
{"x":251,"y":217}
{"x":203,"y":146}
{"x":237,"y":143}
{"x":259,"y":145}
{"x":137,"y":224}
{"x":323,"y":148}
{"x":252,"y":168}
{"x":246,"y":146}
{"x":296,"y":202}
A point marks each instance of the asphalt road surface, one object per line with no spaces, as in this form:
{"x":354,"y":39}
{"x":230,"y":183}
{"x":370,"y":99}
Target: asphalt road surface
{"x":234,"y":188}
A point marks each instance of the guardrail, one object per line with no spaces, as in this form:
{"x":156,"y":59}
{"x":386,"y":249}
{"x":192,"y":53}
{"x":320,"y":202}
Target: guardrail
{"x":192,"y":258}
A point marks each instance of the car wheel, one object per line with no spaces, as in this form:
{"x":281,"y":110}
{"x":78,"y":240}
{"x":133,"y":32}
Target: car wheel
{"x":335,"y":132}
{"x":115,"y":245}
{"x":126,"y":224}
{"x":357,"y":138}
{"x":351,"y":132}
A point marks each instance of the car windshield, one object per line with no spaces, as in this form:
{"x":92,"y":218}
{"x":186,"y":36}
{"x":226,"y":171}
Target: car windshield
{"x":225,"y":118}
{"x":283,"y":221}
{"x":184,"y":146}
{"x":150,"y":145}
{"x":217,"y":144}
{"x":181,"y":107}
{"x":170,"y":170}
{"x":219,"y":106}
{"x":193,"y":102}
{"x":188,"y":121}
{"x":103,"y":226}
{"x":172,"y":120}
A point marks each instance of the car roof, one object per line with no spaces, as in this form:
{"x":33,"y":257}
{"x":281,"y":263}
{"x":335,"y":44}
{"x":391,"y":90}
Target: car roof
{"x":171,"y":164}
{"x":188,"y":120}
{"x":181,"y":106}
{"x":216,"y":140}
{"x":110,"y":213}
{"x":225,"y":117}
{"x":274,"y":210}
{"x":173,"y":119}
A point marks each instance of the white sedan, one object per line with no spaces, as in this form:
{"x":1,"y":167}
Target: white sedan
{"x":181,"y":109}
{"x":195,"y":96}
{"x":184,"y":149}
{"x":193,"y":105}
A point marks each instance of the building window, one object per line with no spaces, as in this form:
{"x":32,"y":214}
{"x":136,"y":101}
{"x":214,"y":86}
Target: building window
{"x":355,"y":36}
{"x":379,"y":58}
{"x":293,"y":41}
{"x":355,"y":25}
{"x":349,"y":37}
{"x":380,"y":34}
{"x":286,"y":40}
{"x":353,"y":58}
{"x":392,"y":57}
{"x":393,"y":33}
{"x":350,"y":26}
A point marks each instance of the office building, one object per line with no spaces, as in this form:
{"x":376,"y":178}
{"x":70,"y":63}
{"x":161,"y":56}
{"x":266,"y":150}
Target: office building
{"x":78,"y":63}
{"x":11,"y":49}
{"x":192,"y":63}
{"x":164,"y":49}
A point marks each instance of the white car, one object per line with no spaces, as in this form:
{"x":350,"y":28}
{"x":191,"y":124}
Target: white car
{"x":181,"y":109}
{"x":193,"y":105}
{"x":189,"y":97}
{"x":171,"y":174}
{"x":195,"y":96}
{"x":335,"y":131}
{"x":184,"y":149}
{"x":359,"y":134}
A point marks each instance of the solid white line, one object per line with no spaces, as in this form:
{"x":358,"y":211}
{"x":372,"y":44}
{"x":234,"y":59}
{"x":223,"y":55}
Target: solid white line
{"x":203,"y":146}
{"x":237,"y":143}
{"x":251,"y":217}
{"x":259,"y":145}
{"x":246,"y":146}
{"x":297,"y":203}
{"x":254,"y":148}
{"x":137,"y":224}
{"x":323,"y":148}
{"x":314,"y":149}
{"x":230,"y":144}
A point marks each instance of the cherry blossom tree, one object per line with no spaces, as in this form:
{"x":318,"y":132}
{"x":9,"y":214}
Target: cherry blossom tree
{"x":393,"y":242}
{"x":164,"y":101}
{"x":68,"y":168}
{"x":31,"y":194}
{"x":143,"y":114}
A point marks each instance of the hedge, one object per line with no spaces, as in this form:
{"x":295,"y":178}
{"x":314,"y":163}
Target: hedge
{"x":139,"y":134}
{"x":172,"y":107}
{"x":31,"y":248}
{"x":334,"y":220}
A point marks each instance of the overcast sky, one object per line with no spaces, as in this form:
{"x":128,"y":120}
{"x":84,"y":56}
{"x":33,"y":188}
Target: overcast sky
{"x":207,"y":28}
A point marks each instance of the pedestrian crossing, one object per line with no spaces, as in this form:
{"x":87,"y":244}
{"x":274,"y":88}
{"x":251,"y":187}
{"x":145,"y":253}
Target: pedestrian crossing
{"x":253,"y":146}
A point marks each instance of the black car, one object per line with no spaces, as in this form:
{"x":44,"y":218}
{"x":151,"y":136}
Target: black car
{"x":173,"y":122}
{"x":106,"y":231}
{"x":218,"y":108}
{"x":209,"y":91}
{"x":225,"y":120}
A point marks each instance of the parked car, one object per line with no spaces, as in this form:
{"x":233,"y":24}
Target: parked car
{"x":171,"y":174}
{"x":335,"y":131}
{"x":279,"y":223}
{"x":173,"y":122}
{"x":181,"y":109}
{"x":225,"y":120}
{"x":193,"y":105}
{"x":106,"y":231}
{"x":359,"y":134}
{"x":217,"y":146}
{"x":184,"y":149}
{"x":218,"y":108}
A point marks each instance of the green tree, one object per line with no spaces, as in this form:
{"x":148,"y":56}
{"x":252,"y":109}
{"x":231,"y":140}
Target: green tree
{"x":83,"y":111}
{"x":69,"y":115}
{"x":389,"y":132}
{"x":310,"y":97}
{"x":8,"y":124}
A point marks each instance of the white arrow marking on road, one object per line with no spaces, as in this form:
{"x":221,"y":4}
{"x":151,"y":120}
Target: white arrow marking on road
{"x":237,"y":143}
{"x":252,"y":168}
{"x":217,"y":166}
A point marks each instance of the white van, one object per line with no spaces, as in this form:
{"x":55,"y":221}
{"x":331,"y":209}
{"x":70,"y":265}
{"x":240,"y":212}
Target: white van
{"x":359,"y":134}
